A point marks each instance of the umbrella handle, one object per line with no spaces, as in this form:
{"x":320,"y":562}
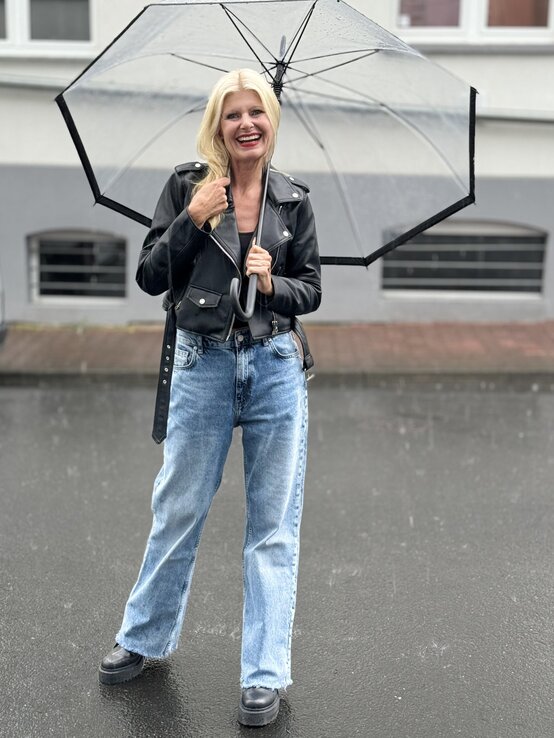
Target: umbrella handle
{"x":248,"y":312}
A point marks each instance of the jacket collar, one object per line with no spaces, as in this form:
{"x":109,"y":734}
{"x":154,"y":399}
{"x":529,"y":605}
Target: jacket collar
{"x":284,"y":188}
{"x":281,"y":187}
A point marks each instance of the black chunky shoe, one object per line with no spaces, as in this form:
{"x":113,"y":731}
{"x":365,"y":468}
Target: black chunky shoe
{"x":120,"y":665}
{"x":258,"y":706}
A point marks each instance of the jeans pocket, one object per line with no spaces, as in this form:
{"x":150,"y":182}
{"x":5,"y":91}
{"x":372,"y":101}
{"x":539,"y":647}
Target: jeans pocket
{"x":284,"y":346}
{"x":185,"y":353}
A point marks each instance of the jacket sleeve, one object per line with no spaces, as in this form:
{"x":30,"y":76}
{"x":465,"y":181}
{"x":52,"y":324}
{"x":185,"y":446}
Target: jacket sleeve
{"x":298,"y":291}
{"x":172,"y":232}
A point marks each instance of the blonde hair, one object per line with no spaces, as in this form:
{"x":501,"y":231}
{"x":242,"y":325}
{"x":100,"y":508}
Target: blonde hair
{"x":208,"y":141}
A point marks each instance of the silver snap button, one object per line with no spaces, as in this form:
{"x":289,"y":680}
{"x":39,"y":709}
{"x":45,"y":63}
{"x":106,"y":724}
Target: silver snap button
{"x":240,"y":339}
{"x":168,"y":347}
{"x":295,"y":194}
{"x":198,"y":165}
{"x":202,"y":300}
{"x":167,"y":358}
{"x":291,"y":179}
{"x":286,"y":233}
{"x":166,"y":369}
{"x":164,"y":381}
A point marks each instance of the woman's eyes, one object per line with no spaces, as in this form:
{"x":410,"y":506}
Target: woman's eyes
{"x":253,"y":114}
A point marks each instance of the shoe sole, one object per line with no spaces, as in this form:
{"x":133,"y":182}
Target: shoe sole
{"x":256,"y":718}
{"x":117,"y":676}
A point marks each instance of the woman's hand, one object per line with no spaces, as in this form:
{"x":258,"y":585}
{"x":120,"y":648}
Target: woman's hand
{"x":258,"y":262}
{"x":209,"y":201}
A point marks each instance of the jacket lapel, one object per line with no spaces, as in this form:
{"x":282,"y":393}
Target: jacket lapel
{"x":228,"y":235}
{"x":274,"y":231}
{"x":281,"y":189}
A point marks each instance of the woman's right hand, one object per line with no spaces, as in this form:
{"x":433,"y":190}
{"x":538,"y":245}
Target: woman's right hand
{"x":209,"y":201}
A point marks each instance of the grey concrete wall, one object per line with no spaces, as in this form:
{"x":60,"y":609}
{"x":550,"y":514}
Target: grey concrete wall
{"x":34,"y":199}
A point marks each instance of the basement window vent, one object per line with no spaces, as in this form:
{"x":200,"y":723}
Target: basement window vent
{"x":463,"y":257}
{"x":77,"y":265}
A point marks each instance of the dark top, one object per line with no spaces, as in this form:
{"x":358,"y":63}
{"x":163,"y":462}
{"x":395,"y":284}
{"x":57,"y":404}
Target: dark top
{"x":245,"y":240}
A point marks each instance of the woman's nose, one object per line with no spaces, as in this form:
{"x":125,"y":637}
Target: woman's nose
{"x":246,"y":121}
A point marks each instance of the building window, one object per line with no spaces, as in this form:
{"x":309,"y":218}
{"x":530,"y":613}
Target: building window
{"x":46,"y":24}
{"x":476,"y":20}
{"x":77,"y":264}
{"x":518,"y":13}
{"x":429,"y":13}
{"x":468,"y":258}
{"x":59,"y":20}
{"x":2,"y":19}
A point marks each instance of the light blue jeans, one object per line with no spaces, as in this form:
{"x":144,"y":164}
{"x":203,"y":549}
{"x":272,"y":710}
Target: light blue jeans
{"x":259,"y":386}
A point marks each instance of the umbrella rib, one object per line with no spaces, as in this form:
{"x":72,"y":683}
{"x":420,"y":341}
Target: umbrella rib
{"x":336,"y":53}
{"x":334,"y":98}
{"x":232,"y":17}
{"x":299,"y":33}
{"x":200,"y":64}
{"x":142,"y":149}
{"x":295,"y":39}
{"x":402,"y":119}
{"x":335,"y":66}
{"x":338,"y":179}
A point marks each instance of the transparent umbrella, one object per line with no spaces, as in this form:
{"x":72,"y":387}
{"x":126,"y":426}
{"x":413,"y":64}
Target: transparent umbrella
{"x":384,"y":136}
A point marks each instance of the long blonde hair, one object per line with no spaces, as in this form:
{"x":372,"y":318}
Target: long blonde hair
{"x":208,"y":141}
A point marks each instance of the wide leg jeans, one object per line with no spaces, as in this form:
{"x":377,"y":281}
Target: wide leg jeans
{"x":217,"y":386}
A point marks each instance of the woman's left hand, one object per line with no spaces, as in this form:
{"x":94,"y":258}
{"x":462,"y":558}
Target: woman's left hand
{"x":258,"y":262}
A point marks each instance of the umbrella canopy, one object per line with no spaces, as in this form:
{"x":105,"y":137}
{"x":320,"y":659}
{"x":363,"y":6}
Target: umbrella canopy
{"x":383,"y":136}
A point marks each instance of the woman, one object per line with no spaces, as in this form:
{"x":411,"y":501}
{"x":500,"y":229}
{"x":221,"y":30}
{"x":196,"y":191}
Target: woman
{"x":226,"y":374}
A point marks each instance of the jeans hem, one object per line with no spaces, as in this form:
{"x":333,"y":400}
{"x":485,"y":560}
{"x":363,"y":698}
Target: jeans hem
{"x":127,"y":645}
{"x":268,"y":684}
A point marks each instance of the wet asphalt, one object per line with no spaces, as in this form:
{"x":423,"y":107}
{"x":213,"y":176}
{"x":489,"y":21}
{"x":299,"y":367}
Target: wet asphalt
{"x":426,"y":589}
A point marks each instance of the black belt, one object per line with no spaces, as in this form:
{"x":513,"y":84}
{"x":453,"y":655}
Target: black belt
{"x":164,"y":379}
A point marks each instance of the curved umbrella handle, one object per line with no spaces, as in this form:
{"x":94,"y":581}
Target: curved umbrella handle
{"x":248,"y":312}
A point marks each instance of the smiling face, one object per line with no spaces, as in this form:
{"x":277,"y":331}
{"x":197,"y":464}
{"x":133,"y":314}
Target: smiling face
{"x":245,"y":127}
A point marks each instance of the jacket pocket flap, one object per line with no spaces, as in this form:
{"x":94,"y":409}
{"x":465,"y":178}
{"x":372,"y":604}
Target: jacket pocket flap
{"x":202,"y":297}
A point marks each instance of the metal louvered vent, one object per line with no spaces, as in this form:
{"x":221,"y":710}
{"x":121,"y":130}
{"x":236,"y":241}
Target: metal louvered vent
{"x":77,"y":264}
{"x":468,"y":257}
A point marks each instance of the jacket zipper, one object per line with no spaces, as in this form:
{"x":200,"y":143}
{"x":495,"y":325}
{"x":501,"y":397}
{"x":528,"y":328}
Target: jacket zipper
{"x":233,"y":262}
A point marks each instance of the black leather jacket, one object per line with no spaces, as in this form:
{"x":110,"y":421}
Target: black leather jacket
{"x":203,"y":261}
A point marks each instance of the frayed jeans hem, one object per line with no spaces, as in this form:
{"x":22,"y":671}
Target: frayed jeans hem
{"x":281,"y":685}
{"x":142,"y":651}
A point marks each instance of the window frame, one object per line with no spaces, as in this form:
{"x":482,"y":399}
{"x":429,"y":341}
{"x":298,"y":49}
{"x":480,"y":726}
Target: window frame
{"x":474,"y":31}
{"x":65,"y":234}
{"x":18,"y":41}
